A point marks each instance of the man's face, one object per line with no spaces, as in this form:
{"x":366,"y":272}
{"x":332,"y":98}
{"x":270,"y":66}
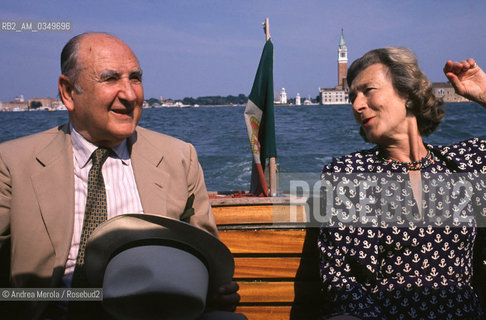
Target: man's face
{"x":109,"y":106}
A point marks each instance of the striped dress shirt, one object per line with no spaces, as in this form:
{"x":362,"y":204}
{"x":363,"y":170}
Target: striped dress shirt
{"x":121,"y":189}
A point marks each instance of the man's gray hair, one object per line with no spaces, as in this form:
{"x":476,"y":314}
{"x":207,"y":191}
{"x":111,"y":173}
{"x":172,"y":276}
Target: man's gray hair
{"x":70,"y":66}
{"x":69,"y":61}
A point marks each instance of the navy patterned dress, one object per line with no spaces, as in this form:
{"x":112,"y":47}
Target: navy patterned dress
{"x":385,"y":255}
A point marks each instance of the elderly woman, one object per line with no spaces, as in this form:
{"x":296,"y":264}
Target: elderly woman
{"x":405,"y":216}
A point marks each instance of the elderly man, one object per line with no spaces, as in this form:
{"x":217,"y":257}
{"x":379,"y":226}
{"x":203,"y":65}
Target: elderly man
{"x":45,"y":178}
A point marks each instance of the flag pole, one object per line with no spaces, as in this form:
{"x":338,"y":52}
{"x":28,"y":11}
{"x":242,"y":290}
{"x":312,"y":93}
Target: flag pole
{"x":272,"y":165}
{"x":266,"y":29}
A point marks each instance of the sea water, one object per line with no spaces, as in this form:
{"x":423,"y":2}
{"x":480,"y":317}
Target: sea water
{"x":307,"y":136}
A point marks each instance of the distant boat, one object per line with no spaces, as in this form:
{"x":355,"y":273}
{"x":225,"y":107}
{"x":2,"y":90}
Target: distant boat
{"x":177,"y":104}
{"x":181,"y":105}
{"x":308,"y":102}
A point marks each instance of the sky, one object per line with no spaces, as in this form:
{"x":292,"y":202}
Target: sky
{"x":193,"y":48}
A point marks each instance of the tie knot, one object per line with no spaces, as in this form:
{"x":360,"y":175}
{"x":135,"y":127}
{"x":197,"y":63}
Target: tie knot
{"x":100,"y":155}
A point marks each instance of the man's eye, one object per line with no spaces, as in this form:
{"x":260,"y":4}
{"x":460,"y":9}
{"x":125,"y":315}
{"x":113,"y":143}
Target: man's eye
{"x":136,"y":77}
{"x":109,"y":79}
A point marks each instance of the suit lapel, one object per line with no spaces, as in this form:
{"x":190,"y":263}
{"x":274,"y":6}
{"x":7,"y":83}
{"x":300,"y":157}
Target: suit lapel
{"x":151,"y":180}
{"x":54,"y":189}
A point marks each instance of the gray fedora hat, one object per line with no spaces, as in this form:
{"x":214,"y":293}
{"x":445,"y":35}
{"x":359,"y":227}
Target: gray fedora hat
{"x":155,"y":267}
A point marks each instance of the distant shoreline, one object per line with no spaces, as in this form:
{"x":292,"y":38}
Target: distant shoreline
{"x":216,"y":106}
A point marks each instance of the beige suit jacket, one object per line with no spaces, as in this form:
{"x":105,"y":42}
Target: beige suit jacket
{"x":37,"y":198}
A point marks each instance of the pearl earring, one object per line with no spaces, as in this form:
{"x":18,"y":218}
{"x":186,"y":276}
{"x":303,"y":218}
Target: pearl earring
{"x":408,"y":105}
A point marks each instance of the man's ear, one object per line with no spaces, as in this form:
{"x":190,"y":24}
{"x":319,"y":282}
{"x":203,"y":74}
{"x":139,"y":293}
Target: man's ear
{"x":66,"y":91}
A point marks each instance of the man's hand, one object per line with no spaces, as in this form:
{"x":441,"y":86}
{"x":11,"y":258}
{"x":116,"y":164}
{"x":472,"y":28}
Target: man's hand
{"x":468,"y":79}
{"x":226,"y":298}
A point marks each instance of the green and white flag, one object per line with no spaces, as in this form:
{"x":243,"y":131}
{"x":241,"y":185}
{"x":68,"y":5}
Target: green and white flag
{"x":260,"y":121}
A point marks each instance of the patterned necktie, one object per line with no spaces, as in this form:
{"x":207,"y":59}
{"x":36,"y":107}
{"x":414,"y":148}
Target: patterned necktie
{"x":95,"y":212}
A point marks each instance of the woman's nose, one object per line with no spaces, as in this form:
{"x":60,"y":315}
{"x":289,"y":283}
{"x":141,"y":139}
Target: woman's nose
{"x":359,"y":103}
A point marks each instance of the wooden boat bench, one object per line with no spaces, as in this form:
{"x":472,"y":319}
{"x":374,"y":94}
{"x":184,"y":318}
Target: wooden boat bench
{"x":276,"y":256}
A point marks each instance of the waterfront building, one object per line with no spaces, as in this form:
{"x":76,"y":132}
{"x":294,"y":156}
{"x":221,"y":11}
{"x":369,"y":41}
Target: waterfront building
{"x":13,"y":106}
{"x":57,"y":105}
{"x":342,"y":63}
{"x":283,"y":97}
{"x":338,"y":94}
{"x":445,"y":91}
{"x":19,"y":104}
{"x":333,"y":96}
{"x":167,"y":103}
{"x":47,"y":103}
{"x":297,"y":100}
{"x":20,"y":98}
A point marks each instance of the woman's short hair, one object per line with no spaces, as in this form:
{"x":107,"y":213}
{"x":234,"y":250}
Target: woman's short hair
{"x":408,"y":80}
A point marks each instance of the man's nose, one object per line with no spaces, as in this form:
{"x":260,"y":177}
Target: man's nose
{"x":127,"y":91}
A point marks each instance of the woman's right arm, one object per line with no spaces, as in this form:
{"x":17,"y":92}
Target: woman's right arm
{"x":468,"y":79}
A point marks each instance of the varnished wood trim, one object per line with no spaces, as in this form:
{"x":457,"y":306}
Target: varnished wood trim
{"x":260,"y":214}
{"x":279,"y":292}
{"x":277,"y":268}
{"x":265,"y":312}
{"x":264,"y":241}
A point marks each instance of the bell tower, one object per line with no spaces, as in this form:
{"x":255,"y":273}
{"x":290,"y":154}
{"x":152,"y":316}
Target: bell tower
{"x":342,"y":63}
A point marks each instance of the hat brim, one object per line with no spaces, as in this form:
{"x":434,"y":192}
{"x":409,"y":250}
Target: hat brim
{"x":131,"y":230}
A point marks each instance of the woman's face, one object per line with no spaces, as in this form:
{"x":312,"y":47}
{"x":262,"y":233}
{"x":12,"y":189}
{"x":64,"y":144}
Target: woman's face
{"x":377,"y":106}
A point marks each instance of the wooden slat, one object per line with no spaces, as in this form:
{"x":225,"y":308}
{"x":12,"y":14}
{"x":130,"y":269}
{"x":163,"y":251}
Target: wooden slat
{"x":266,"y":292}
{"x":265,"y":312}
{"x":279,"y":312}
{"x":276,"y":267}
{"x":266,"y":267}
{"x":279,"y":292}
{"x":264,"y":241}
{"x":216,"y":199}
{"x":259,"y":214}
